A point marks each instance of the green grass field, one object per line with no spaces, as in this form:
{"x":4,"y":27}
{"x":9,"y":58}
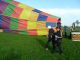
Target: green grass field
{"x":22,"y":47}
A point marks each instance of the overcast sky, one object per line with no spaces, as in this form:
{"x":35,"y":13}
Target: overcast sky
{"x":68,"y":10}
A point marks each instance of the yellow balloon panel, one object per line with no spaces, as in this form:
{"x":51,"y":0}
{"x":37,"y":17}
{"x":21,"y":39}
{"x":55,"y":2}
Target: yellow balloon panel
{"x":25,"y":6}
{"x":31,"y":25}
{"x":33,"y":16}
{"x":41,"y":25}
{"x":42,"y":32}
{"x":25,"y":14}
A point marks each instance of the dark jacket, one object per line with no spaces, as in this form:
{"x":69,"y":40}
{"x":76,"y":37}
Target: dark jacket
{"x":50,"y":33}
{"x":58,"y":36}
{"x":58,"y":33}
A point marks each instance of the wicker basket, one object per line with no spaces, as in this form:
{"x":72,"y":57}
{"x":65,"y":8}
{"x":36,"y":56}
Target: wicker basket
{"x":76,"y":36}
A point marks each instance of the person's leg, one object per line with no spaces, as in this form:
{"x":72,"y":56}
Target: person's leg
{"x":53,"y":45}
{"x":59,"y":46}
{"x":46,"y":46}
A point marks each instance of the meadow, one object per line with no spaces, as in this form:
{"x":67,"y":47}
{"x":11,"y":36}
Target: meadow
{"x":23,"y":47}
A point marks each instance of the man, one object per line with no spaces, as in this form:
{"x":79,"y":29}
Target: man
{"x":57,"y":41}
{"x":50,"y":34}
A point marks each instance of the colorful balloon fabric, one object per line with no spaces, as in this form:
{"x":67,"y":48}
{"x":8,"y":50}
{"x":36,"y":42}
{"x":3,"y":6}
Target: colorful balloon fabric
{"x":19,"y":18}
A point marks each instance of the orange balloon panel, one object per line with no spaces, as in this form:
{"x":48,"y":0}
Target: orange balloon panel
{"x":32,"y":32}
{"x":51,"y":19}
{"x":17,"y":12}
{"x":22,"y":25}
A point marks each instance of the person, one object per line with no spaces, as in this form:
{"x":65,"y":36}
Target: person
{"x":56,"y":40}
{"x":50,"y":34}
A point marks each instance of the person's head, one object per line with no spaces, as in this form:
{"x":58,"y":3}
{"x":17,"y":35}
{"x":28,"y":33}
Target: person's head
{"x":59,"y":20}
{"x":57,"y":28}
{"x":49,"y":27}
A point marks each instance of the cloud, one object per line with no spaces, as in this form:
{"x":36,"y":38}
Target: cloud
{"x":61,"y":11}
{"x":68,"y":15}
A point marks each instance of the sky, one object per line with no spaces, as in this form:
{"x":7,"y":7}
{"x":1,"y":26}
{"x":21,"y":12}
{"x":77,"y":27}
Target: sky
{"x":68,"y":10}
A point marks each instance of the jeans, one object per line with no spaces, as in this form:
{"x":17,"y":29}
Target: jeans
{"x":49,"y":40}
{"x":57,"y":45}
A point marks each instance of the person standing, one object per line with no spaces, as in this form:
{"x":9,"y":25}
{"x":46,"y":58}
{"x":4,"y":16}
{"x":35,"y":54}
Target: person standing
{"x":50,"y":34}
{"x":57,"y":40}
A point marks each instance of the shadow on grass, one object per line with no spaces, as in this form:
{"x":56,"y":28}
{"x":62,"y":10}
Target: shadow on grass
{"x":43,"y":44}
{"x":13,"y":55}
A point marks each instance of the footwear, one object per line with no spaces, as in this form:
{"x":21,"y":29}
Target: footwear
{"x":46,"y":49}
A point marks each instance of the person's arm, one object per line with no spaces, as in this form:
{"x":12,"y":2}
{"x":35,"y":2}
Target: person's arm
{"x":61,"y":34}
{"x":57,"y":36}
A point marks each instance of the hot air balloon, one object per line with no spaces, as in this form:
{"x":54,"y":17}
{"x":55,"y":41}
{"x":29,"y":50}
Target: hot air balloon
{"x":19,"y":18}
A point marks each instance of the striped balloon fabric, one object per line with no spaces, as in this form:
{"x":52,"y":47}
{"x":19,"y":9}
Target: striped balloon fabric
{"x":22,"y":19}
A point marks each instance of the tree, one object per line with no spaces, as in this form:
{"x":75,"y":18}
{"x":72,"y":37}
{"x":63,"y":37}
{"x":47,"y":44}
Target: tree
{"x":77,"y":22}
{"x":73,"y":25}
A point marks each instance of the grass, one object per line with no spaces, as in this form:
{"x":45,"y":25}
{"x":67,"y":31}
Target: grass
{"x":22,"y":47}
